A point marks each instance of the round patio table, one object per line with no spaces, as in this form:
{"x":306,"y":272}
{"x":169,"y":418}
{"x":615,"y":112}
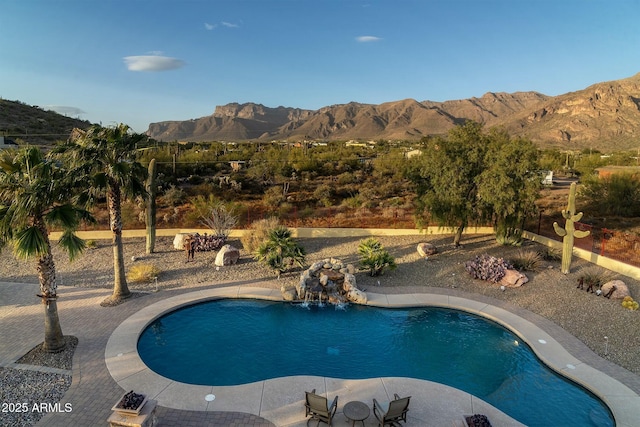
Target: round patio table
{"x":356,"y":411}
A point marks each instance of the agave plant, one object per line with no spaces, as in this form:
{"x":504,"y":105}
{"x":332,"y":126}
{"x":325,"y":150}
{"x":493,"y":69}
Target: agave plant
{"x":375,"y":257}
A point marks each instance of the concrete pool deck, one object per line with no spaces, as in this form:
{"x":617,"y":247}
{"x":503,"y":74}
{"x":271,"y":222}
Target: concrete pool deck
{"x":281,"y":400}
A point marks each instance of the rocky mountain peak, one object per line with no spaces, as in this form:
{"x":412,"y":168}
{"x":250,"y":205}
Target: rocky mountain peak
{"x":602,"y":115}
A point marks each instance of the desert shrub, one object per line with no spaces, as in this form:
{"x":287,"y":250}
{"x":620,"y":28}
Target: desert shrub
{"x":374,"y":257}
{"x":285,"y":209}
{"x":353,"y":202}
{"x":526,"y":260}
{"x":306,"y":212}
{"x":368,"y":196}
{"x":551,"y":254}
{"x":174,"y":196}
{"x":215,"y":215}
{"x":195,"y":179}
{"x":273,"y":196}
{"x":347,"y":178}
{"x":508,"y":236}
{"x":258,"y":233}
{"x":486,"y":267}
{"x":142,"y":273}
{"x":91,"y":244}
{"x":280,"y":251}
{"x":324,"y":193}
{"x":596,"y":277}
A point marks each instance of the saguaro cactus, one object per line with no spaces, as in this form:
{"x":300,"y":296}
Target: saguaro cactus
{"x":151,"y":207}
{"x":569,"y":231}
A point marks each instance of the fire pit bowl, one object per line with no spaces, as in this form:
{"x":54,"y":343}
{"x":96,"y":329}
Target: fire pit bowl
{"x":130,"y":404}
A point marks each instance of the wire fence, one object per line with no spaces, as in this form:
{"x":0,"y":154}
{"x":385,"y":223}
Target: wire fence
{"x":622,"y":246}
{"x":335,"y":217}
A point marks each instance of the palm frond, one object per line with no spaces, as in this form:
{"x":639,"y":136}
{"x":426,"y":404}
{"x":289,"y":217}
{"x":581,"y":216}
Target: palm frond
{"x":72,"y":244}
{"x":65,"y":216}
{"x":30,"y":242}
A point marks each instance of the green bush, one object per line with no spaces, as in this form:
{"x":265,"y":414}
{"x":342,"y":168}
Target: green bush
{"x":374,"y":257}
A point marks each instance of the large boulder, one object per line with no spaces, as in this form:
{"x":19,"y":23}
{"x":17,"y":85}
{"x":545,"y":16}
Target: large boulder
{"x":288,"y":293}
{"x":513,"y":279}
{"x":227,"y":255}
{"x":178,"y":241}
{"x":351,"y":291}
{"x":619,"y":288}
{"x":426,"y":249}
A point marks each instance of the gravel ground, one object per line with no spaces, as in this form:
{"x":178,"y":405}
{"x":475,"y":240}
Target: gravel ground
{"x":549,"y":293}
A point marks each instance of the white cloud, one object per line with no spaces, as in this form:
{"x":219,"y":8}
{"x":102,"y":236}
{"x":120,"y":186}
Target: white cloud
{"x":230,"y":25}
{"x":367,"y":39}
{"x":209,"y":26}
{"x":67,"y":111}
{"x":152,"y":63}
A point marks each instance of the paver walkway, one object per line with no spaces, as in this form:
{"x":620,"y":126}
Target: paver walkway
{"x":93,"y":391}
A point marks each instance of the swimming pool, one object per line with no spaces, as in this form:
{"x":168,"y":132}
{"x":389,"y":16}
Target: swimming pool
{"x":229,"y":342}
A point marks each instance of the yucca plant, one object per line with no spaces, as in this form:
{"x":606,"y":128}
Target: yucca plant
{"x":375,"y":257}
{"x":280,"y":251}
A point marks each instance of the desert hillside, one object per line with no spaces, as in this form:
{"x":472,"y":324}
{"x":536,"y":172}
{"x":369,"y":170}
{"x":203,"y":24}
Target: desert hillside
{"x":602,"y":116}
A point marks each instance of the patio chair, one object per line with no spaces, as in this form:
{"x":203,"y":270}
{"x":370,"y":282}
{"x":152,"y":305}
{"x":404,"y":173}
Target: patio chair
{"x":392,"y":413}
{"x":318,"y":407}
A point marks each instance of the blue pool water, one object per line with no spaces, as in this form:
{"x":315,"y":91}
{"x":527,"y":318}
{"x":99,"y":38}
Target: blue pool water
{"x":231,"y":342}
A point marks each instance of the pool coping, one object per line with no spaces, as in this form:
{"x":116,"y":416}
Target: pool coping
{"x":279,"y":400}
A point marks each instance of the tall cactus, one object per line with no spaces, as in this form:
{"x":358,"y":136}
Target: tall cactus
{"x":151,"y":207}
{"x":569,"y":231}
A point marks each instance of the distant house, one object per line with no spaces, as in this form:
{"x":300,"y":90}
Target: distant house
{"x":412,"y":153}
{"x":607,"y":171}
{"x":7,"y":143}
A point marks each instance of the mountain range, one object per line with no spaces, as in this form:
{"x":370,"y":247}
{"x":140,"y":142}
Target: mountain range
{"x":602,"y":116}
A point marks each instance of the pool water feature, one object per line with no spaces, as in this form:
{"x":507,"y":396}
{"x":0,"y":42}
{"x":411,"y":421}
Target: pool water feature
{"x":231,"y":342}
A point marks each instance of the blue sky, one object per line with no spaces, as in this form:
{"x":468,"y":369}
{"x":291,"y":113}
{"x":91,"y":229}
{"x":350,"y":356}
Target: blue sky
{"x":142,"y":61}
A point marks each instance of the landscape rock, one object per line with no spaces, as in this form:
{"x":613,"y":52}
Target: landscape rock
{"x":426,"y":249}
{"x":621,"y":289}
{"x":513,"y":279}
{"x":289,"y":293}
{"x":332,"y":280}
{"x":178,"y":241}
{"x":227,"y":255}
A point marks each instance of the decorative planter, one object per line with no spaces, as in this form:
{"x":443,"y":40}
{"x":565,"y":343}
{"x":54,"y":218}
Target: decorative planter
{"x":476,"y":420}
{"x":130,"y":404}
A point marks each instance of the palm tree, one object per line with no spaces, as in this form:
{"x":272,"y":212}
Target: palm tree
{"x":36,"y":194}
{"x":280,"y":251}
{"x":107,"y":160}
